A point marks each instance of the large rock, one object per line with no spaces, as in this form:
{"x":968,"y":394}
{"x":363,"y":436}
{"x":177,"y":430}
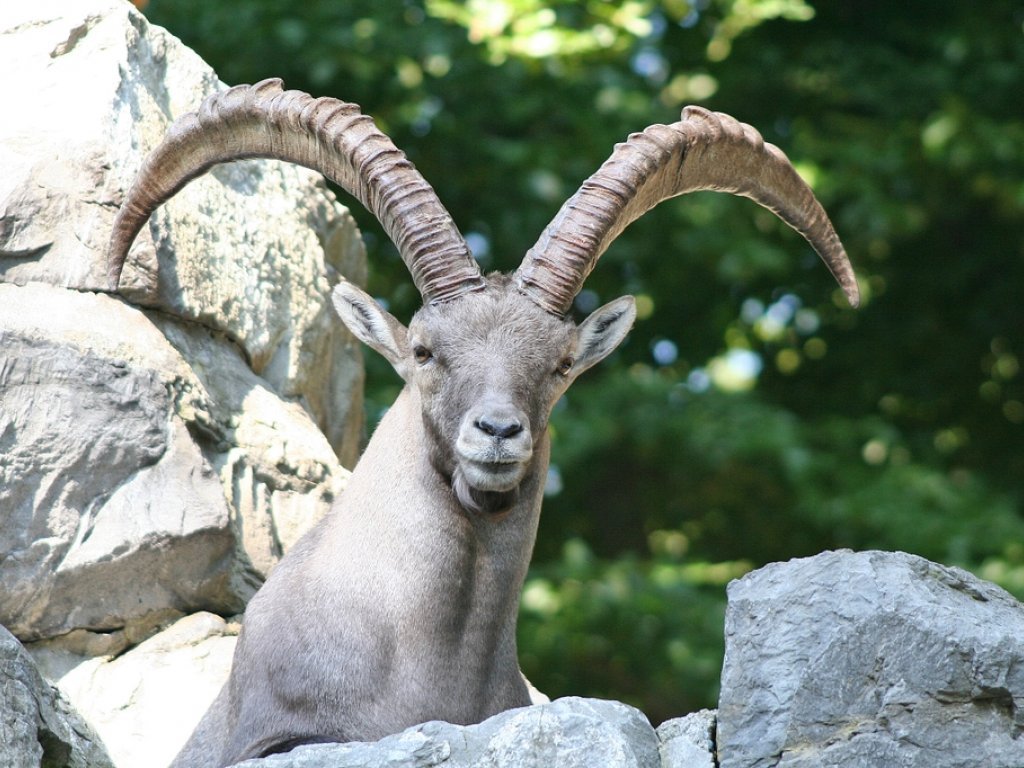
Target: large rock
{"x":132,"y":480}
{"x":688,"y":742}
{"x":156,"y":455}
{"x":144,"y":702}
{"x":248,"y":250}
{"x":871,"y":659}
{"x":567,"y":733}
{"x":37,"y":728}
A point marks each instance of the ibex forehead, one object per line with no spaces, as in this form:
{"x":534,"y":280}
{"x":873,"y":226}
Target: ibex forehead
{"x":498,"y":316}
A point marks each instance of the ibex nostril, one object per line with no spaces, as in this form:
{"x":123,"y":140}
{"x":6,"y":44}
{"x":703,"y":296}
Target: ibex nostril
{"x":499,"y":427}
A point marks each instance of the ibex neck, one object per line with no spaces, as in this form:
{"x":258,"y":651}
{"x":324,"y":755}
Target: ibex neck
{"x":416,"y":509}
{"x":449,"y":579}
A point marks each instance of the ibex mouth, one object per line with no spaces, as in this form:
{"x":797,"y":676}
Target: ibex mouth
{"x":490,"y":463}
{"x":493,"y":475}
{"x":491,"y":488}
{"x":492,"y":453}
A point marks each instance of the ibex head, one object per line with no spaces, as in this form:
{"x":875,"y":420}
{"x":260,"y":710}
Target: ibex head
{"x":487,"y":367}
{"x":487,"y":356}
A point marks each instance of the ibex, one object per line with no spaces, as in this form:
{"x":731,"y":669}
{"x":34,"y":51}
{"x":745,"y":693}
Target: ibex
{"x":400,"y":606}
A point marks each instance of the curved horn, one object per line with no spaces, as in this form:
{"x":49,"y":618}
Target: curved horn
{"x":326,"y":135}
{"x":703,"y":151}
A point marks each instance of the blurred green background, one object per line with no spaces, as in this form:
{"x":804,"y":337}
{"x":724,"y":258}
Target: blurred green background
{"x":751,"y":416}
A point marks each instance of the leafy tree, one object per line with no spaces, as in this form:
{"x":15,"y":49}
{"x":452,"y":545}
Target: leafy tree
{"x":750,"y":417}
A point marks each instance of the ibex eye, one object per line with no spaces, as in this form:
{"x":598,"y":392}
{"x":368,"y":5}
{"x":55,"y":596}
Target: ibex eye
{"x":565,"y":366}
{"x":421,"y":353}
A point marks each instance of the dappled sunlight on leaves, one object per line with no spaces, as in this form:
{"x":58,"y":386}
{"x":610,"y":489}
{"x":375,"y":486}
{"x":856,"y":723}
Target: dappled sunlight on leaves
{"x":536,"y":29}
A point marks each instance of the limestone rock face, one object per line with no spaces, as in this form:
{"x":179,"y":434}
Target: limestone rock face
{"x":109,"y":508}
{"x":145,"y":701}
{"x":688,"y":742}
{"x":159,"y":450}
{"x":37,"y":728}
{"x":248,"y":250}
{"x":871,"y":659}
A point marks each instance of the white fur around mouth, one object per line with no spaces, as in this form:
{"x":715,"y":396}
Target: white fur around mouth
{"x":493,"y":476}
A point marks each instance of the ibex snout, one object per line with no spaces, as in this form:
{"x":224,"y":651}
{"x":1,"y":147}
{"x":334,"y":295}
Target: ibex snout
{"x":499,"y":425}
{"x":494,"y":446}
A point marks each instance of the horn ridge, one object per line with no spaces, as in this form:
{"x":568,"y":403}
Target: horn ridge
{"x":704,"y":150}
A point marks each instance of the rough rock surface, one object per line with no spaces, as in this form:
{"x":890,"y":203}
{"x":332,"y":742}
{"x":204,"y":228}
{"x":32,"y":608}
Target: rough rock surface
{"x":145,"y":701}
{"x":688,"y":742}
{"x":37,"y":728}
{"x":131,"y":479}
{"x":871,"y":659}
{"x":248,"y":250}
{"x":156,"y":454}
{"x":567,"y":733}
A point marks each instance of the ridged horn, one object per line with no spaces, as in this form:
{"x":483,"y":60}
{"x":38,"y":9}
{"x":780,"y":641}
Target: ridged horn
{"x":326,"y":135}
{"x":703,"y":151}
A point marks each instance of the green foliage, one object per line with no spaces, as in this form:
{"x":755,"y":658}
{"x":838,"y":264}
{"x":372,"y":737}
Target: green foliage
{"x":646,"y":631}
{"x":750,"y":414}
{"x":752,"y":481}
{"x":533,"y":29}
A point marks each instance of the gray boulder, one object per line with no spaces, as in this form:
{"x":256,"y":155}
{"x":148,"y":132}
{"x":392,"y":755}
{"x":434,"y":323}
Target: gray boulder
{"x":249,"y":250}
{"x":871,"y":659}
{"x":132,"y":478}
{"x":37,"y":727}
{"x":147,"y":699}
{"x":688,"y":742}
{"x":157,"y":454}
{"x":567,"y":733}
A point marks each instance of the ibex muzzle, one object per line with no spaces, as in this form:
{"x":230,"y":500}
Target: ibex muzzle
{"x":401,"y":605}
{"x":494,"y":445}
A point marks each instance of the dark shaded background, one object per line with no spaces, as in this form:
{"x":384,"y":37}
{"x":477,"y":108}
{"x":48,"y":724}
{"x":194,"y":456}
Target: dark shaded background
{"x":751,"y":416}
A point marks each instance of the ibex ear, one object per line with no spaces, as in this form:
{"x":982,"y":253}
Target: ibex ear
{"x":371,"y":324}
{"x":602,"y":332}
